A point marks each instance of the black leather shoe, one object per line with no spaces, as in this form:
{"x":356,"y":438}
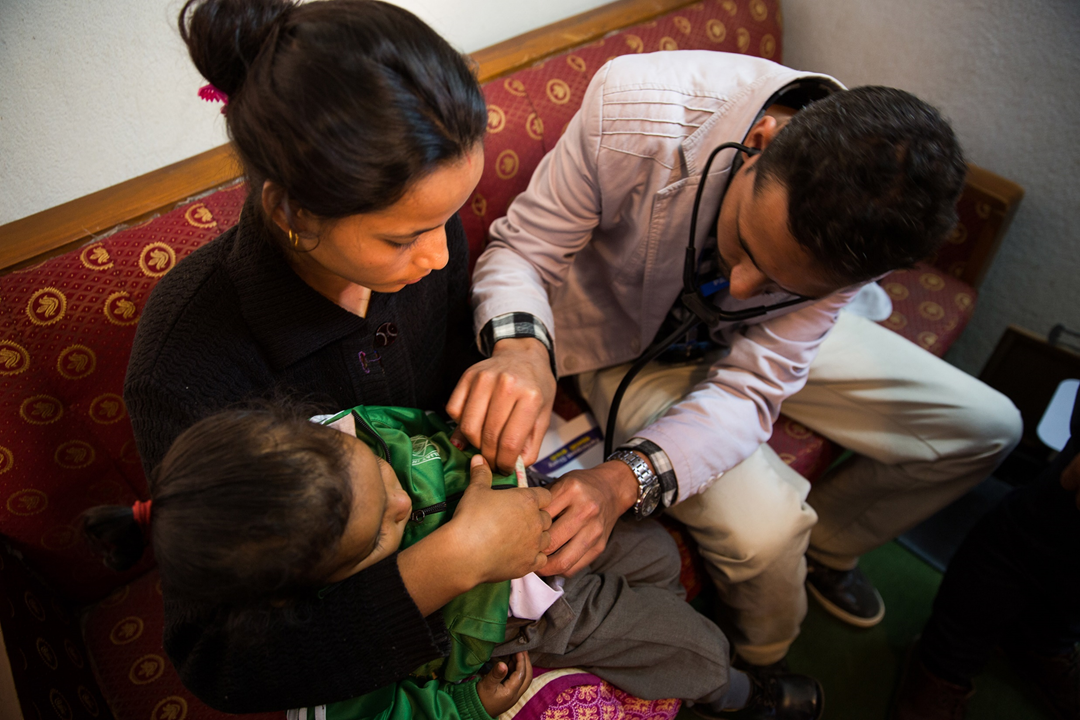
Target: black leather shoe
{"x":780,"y":697}
{"x":847,"y":594}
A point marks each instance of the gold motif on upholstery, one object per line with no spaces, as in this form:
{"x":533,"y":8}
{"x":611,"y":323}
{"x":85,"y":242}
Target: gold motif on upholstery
{"x":28,"y":501}
{"x":742,"y":39}
{"x":558,"y":91}
{"x":478,"y":205}
{"x":927,"y":339}
{"x":950,"y":325}
{"x":897,"y":291}
{"x":957,"y":269}
{"x":932,"y":281}
{"x":76,"y":362}
{"x":896,"y":321}
{"x":668,"y":43}
{"x":983,"y":209}
{"x":46,"y":306}
{"x":683,"y":25}
{"x":129,"y":453}
{"x":157,"y":258}
{"x":768,"y":46}
{"x":635,"y":43}
{"x":506,"y":164}
{"x":13,"y":358}
{"x":47,"y":655}
{"x":107,"y":409}
{"x":534,"y":126}
{"x":119,"y":310}
{"x":496,"y":119}
{"x":788,"y":458}
{"x":758,"y":10}
{"x":87,"y":699}
{"x":127,"y":630}
{"x":964,"y":301}
{"x":514,"y":87}
{"x":173,"y":707}
{"x":958,"y":235}
{"x":116,"y":597}
{"x":95,"y":257}
{"x":74,"y":454}
{"x":7,"y":460}
{"x":716,"y":30}
{"x":73,"y":653}
{"x":796,"y":430}
{"x":146,"y":669}
{"x":576,"y":63}
{"x":41,"y":409}
{"x":931,"y":310}
{"x":729,"y":7}
{"x":60,"y":704}
{"x":60,"y":537}
{"x":105,"y":492}
{"x":34,"y":606}
{"x":200,"y":216}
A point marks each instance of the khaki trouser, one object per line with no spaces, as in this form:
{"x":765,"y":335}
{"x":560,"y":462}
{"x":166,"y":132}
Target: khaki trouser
{"x":925,"y":432}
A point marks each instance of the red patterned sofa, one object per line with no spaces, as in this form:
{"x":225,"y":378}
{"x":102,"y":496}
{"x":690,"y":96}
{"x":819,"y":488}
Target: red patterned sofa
{"x":83,"y":642}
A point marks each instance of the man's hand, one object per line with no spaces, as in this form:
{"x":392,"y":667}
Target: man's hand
{"x":585,"y":505}
{"x":1070,"y":478}
{"x":503,"y":404}
{"x":499,"y":691}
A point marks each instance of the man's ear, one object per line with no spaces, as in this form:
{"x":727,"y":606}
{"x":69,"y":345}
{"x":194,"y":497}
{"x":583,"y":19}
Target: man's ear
{"x":763,"y":132}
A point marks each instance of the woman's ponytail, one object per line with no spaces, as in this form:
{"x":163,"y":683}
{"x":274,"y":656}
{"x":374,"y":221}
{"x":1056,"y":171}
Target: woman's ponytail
{"x":225,"y":36}
{"x":115,"y":533}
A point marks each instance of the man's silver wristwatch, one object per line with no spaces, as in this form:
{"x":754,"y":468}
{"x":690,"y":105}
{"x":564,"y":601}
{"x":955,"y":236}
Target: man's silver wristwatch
{"x":648,"y":496}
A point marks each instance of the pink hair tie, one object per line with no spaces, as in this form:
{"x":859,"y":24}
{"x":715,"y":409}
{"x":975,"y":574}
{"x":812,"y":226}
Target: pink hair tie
{"x":141,"y":511}
{"x":209,"y":93}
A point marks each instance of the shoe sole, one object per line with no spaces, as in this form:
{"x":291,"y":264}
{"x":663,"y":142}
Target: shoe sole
{"x":838,"y":612}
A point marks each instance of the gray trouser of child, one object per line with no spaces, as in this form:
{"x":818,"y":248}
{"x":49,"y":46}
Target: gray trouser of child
{"x":625,"y":619}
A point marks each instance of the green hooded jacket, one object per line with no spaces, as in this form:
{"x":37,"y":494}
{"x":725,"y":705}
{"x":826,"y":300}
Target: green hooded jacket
{"x":435,"y":474}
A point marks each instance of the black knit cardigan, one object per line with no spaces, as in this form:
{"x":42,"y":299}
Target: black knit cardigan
{"x":233,"y":321}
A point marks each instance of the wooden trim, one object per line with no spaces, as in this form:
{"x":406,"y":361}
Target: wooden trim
{"x":1007,"y":196}
{"x":56,"y":230}
{"x":530,"y":48}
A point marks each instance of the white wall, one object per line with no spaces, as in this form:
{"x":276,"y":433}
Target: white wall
{"x":95,"y":93}
{"x":1007,"y":74}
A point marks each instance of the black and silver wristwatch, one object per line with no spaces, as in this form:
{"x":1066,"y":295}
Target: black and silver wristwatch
{"x":648,"y":496}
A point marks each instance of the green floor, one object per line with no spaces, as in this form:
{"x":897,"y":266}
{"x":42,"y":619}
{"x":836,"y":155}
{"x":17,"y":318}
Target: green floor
{"x":859,"y":668}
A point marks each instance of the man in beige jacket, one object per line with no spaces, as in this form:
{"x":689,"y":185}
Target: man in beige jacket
{"x":586,"y":270}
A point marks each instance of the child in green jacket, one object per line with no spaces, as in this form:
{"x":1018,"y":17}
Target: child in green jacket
{"x":260,"y":507}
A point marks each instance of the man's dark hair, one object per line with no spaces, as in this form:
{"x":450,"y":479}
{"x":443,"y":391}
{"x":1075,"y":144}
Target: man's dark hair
{"x":873,"y":175}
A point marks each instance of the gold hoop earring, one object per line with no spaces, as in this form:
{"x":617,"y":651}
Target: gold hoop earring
{"x":294,"y":238}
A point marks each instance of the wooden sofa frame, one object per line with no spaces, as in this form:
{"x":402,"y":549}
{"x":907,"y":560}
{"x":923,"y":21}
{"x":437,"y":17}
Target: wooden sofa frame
{"x":54,"y":231}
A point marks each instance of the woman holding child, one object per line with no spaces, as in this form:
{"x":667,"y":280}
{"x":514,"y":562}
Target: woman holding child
{"x":345,"y":282}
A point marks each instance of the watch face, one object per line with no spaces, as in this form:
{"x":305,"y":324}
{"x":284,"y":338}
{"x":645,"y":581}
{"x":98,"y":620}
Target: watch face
{"x":650,"y":500}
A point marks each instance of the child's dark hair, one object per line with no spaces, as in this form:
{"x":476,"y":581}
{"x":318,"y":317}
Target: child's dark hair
{"x":248,"y":506}
{"x":342,"y":103}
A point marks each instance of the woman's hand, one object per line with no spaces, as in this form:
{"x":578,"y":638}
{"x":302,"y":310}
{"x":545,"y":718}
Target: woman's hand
{"x":503,"y":404}
{"x":495,"y":535}
{"x":500,"y":689}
